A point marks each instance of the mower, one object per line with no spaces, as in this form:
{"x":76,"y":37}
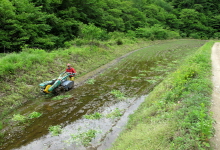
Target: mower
{"x":58,"y":85}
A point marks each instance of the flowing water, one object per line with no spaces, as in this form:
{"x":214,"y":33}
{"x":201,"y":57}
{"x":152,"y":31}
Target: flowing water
{"x":134,"y":76}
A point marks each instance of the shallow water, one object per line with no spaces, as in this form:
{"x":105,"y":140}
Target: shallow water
{"x":135,"y":76}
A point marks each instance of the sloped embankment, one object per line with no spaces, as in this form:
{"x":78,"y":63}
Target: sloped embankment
{"x":176,"y":114}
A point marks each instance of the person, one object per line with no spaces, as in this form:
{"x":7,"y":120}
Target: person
{"x":70,"y":70}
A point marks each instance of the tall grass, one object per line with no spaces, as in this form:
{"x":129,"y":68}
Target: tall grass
{"x":176,"y":114}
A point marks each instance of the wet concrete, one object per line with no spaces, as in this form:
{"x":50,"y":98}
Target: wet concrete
{"x":134,"y":75}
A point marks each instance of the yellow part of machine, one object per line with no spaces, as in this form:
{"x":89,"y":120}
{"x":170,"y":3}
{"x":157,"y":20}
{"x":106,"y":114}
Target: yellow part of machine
{"x":46,"y":89}
{"x":71,"y":78}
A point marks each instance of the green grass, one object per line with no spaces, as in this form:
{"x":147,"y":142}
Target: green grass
{"x":90,"y":81}
{"x":175,"y":115}
{"x":118,"y":94}
{"x":96,"y":115}
{"x":34,"y":115}
{"x":22,"y":118}
{"x":1,"y":125}
{"x":19,"y":118}
{"x":55,"y":130}
{"x":85,"y":137}
{"x":60,"y":97}
{"x":115,"y":113}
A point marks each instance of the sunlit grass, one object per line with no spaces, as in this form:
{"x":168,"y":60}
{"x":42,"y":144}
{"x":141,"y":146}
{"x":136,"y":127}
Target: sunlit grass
{"x":96,"y":115}
{"x":84,"y":138}
{"x":34,"y":115}
{"x":115,"y":113}
{"x":90,"y":81}
{"x":55,"y":130}
{"x":60,"y":97}
{"x":136,"y":77}
{"x":19,"y":118}
{"x":118,"y":94}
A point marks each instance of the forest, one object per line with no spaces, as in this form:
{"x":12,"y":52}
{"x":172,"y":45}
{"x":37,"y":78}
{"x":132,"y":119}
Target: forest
{"x":52,"y":24}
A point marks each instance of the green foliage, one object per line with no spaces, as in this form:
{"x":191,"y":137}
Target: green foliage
{"x":60,"y":97}
{"x":93,"y":116}
{"x":156,"y":32}
{"x":53,"y":24}
{"x":115,"y":113}
{"x":118,"y":94}
{"x":19,"y":118}
{"x":34,"y":115}
{"x":90,"y":81}
{"x":1,"y":125}
{"x":91,"y":32}
{"x":85,"y":137}
{"x":55,"y":130}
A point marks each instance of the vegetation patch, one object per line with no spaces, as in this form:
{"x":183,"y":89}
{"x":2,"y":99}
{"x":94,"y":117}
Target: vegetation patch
{"x":60,"y":97}
{"x":22,"y":118}
{"x":84,"y":138}
{"x":55,"y":130}
{"x":96,"y":115}
{"x":115,"y":113}
{"x":34,"y":115}
{"x":118,"y":94}
{"x":19,"y":118}
{"x":90,"y":81}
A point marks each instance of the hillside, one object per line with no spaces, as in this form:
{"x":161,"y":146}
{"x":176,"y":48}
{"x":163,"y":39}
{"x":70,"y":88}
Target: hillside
{"x":51,"y":24}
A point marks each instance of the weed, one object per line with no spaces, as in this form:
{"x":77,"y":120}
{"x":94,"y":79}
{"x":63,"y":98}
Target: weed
{"x":90,"y":81}
{"x":85,"y":138}
{"x":142,"y":74}
{"x":1,"y":125}
{"x":118,"y":94}
{"x":135,"y":77}
{"x":55,"y":130}
{"x":60,"y":97}
{"x":93,"y":116}
{"x":151,"y":81}
{"x":34,"y":115}
{"x":19,"y":118}
{"x":115,"y":113}
{"x":143,"y":71}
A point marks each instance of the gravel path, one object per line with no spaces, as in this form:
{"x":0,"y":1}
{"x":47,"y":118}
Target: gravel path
{"x":216,"y":94}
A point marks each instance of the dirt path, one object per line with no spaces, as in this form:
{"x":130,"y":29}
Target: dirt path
{"x":216,"y":94}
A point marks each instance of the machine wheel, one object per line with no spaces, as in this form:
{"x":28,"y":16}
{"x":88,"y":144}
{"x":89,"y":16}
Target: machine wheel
{"x":58,"y":90}
{"x":71,"y":87}
{"x":47,"y":88}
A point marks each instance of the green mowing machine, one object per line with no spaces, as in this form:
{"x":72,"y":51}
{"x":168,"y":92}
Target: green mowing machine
{"x":58,"y":85}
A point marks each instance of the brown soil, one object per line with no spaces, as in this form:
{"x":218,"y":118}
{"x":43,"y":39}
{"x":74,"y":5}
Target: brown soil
{"x":216,"y":94}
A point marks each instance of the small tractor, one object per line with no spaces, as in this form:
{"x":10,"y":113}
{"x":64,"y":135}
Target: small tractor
{"x":58,"y":85}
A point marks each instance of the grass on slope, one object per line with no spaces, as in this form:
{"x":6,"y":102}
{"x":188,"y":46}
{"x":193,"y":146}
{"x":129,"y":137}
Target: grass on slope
{"x":176,"y":114}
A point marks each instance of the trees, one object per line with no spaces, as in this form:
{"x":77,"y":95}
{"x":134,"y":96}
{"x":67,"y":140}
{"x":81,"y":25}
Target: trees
{"x":7,"y":18}
{"x":49,"y":24}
